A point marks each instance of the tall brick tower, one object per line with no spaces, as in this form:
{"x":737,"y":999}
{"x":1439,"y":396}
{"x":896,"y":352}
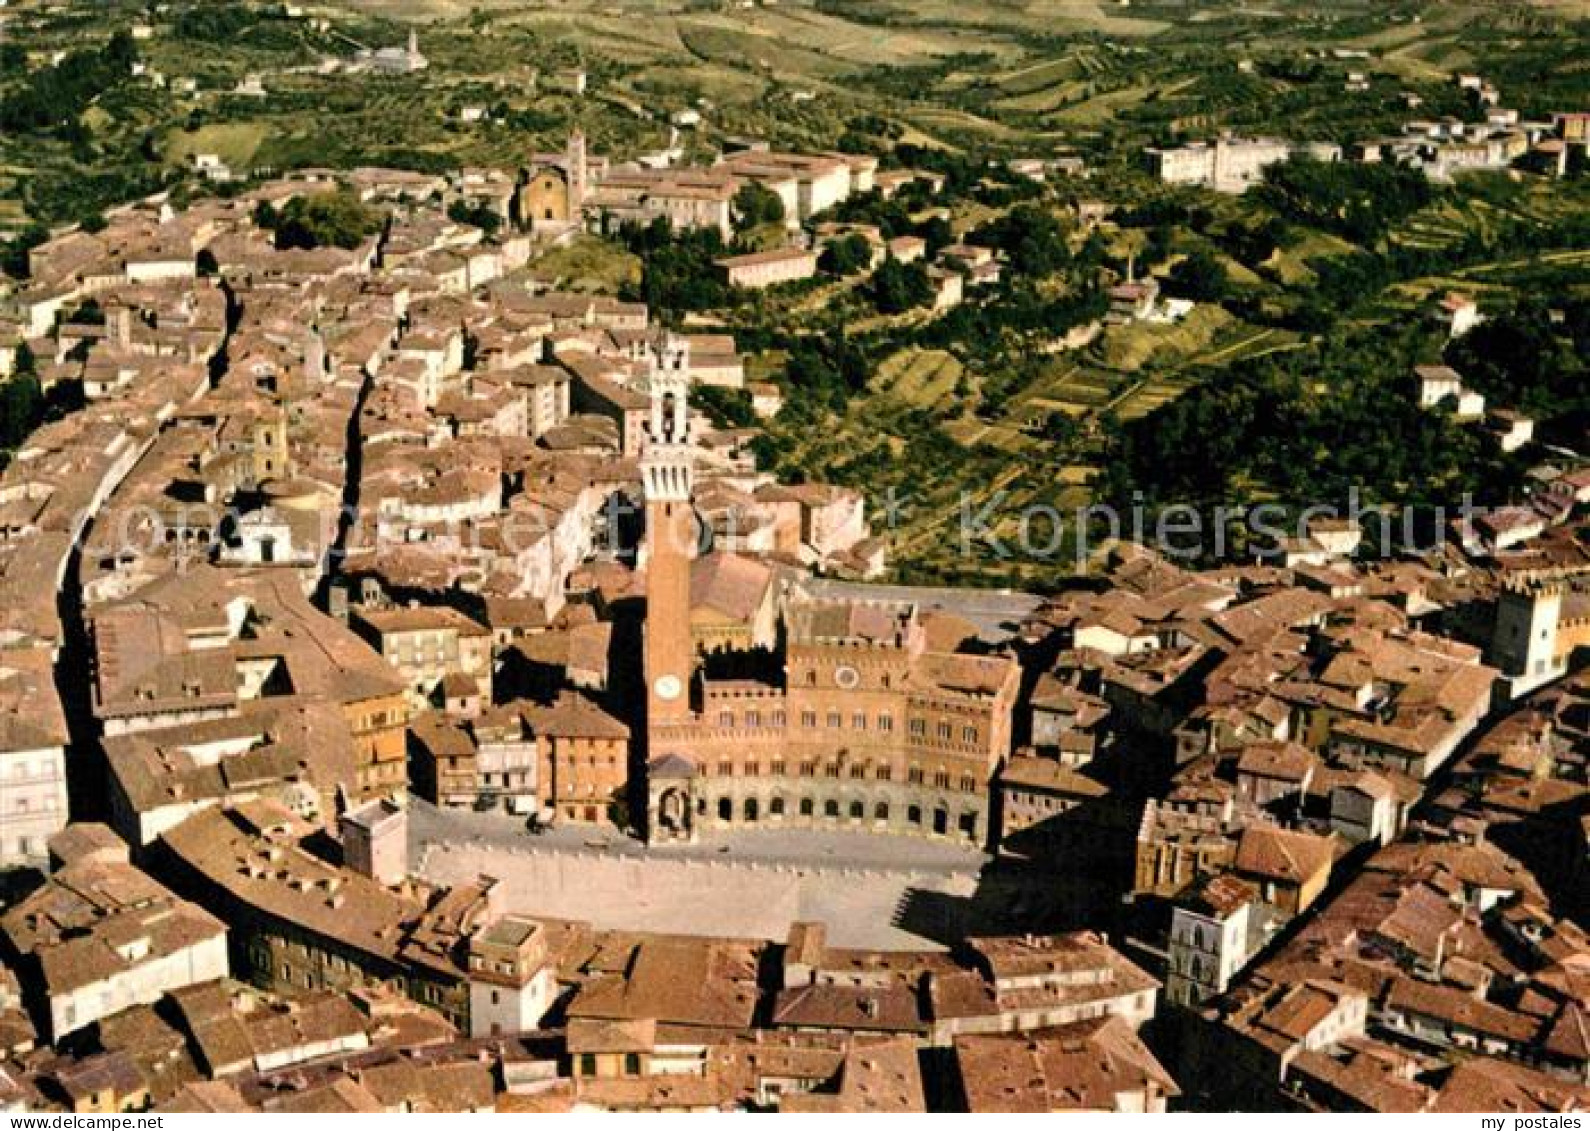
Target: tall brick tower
{"x":667,"y":474}
{"x":576,"y":167}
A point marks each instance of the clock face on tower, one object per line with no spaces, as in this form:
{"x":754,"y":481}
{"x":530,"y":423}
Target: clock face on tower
{"x":668,"y":687}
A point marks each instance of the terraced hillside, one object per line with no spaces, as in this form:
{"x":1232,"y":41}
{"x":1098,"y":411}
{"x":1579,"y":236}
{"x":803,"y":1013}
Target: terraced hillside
{"x":981,"y":400}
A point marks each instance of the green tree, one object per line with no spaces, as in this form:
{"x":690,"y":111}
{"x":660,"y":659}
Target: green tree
{"x":478,"y":215}
{"x":21,"y":407}
{"x":1200,"y":277}
{"x":679,"y":272}
{"x":1309,"y":426}
{"x":327,"y":219}
{"x":1059,"y":428}
{"x":726,"y":408}
{"x":755,"y":205}
{"x":53,"y":97}
{"x":266,"y":216}
{"x":14,"y":257}
{"x":936,"y":232}
{"x":120,"y":52}
{"x":846,"y":255}
{"x":898,"y":287}
{"x":213,"y":23}
{"x":1031,"y":237}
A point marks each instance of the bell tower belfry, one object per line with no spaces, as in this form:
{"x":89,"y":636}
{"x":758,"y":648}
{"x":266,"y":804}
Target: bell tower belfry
{"x":667,"y":474}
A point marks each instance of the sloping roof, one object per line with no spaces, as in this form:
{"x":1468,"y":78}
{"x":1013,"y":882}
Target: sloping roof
{"x":574,"y":716}
{"x":1280,"y":854}
{"x":873,"y":1009}
{"x":672,"y":980}
{"x":82,"y":924}
{"x":730,"y":584}
{"x":1084,"y":1066}
{"x":1281,"y":761}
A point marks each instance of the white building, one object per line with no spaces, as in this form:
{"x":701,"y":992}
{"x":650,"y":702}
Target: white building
{"x":1227,"y":165}
{"x":1212,"y":935}
{"x":507,"y":759}
{"x":100,"y":937}
{"x":404,"y":60}
{"x":1442,"y":383}
{"x":1512,"y":430}
{"x":512,"y":982}
{"x":33,"y":740}
{"x":1459,"y":313}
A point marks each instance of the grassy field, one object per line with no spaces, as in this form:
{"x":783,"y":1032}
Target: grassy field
{"x":235,"y":143}
{"x":1011,"y":78}
{"x":587,"y":264}
{"x":919,"y":378}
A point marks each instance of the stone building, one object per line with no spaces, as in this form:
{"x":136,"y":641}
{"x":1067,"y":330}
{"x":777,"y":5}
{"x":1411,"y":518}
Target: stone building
{"x":582,"y":759}
{"x":554,"y":186}
{"x":100,"y":936}
{"x":1087,"y":1066}
{"x":301,"y":924}
{"x":427,"y":645}
{"x":513,"y":979}
{"x":1214,"y":930}
{"x":863,"y":726}
{"x":33,"y":740}
{"x":759,"y":269}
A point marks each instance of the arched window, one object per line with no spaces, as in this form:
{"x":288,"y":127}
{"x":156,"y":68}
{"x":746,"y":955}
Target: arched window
{"x":725,"y":809}
{"x":880,"y":811}
{"x":830,"y":808}
{"x":941,"y":822}
{"x":668,"y":416}
{"x":750,"y":809}
{"x":914,"y":814}
{"x":776,"y":807}
{"x":857,"y":810}
{"x":806,"y":807}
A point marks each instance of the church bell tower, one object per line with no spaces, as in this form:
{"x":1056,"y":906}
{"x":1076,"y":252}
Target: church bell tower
{"x":667,"y":474}
{"x":577,"y":168}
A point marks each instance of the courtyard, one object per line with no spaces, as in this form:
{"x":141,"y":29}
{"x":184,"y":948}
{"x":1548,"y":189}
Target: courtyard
{"x":891,"y":893}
